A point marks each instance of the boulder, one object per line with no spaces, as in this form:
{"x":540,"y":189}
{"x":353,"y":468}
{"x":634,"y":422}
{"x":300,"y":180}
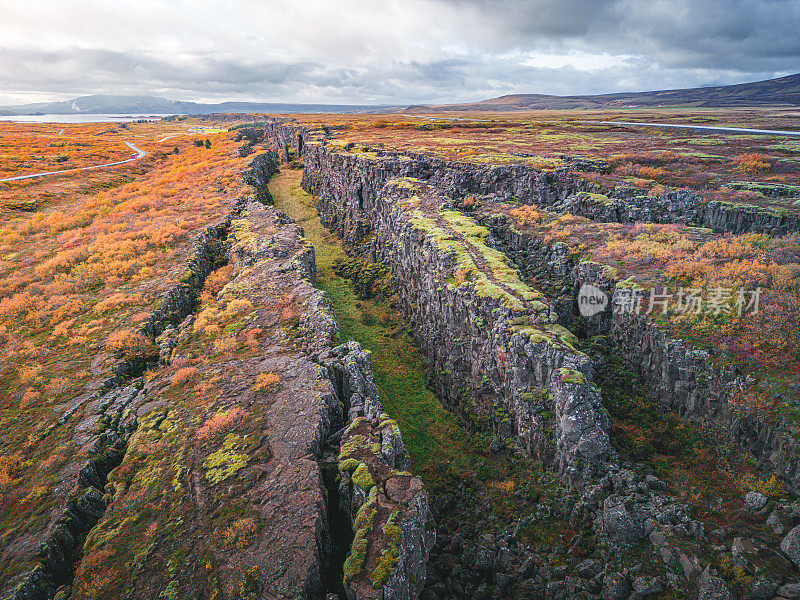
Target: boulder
{"x":620,"y":527}
{"x":763,"y":589}
{"x":791,"y":591}
{"x":647,"y":586}
{"x":790,"y":546}
{"x":754,"y":501}
{"x":712,"y":587}
{"x":615,"y":587}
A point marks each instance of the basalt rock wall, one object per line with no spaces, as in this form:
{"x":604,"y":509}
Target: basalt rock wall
{"x":493,"y":356}
{"x":490,"y":356}
{"x":683,"y":377}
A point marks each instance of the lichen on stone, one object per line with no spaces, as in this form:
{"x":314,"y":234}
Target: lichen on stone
{"x":387,"y":562}
{"x":363,"y":478}
{"x":571,"y":376}
{"x":351,"y":445}
{"x":349,"y":464}
{"x":224,"y":462}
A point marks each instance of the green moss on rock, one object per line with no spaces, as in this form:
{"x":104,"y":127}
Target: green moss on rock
{"x":363,"y":478}
{"x":571,"y":376}
{"x":354,"y":563}
{"x":224,"y":462}
{"x":387,"y":562}
{"x":349,"y":464}
{"x":351,"y":445}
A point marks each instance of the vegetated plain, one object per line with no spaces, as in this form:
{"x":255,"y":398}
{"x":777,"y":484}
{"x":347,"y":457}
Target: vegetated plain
{"x":85,"y":256}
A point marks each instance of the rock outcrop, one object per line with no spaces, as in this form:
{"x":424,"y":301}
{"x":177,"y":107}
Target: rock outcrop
{"x":387,"y":505}
{"x":494,"y":353}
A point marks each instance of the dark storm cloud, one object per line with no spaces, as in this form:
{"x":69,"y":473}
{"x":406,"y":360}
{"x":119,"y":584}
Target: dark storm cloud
{"x":390,"y":51}
{"x":744,"y":35}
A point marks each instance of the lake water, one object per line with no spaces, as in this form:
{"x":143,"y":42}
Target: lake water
{"x":86,"y":118}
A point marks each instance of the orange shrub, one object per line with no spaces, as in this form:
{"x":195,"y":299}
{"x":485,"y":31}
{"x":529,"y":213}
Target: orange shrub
{"x":225,"y":345}
{"x":752,"y":163}
{"x":131,"y":344}
{"x":642,"y":172}
{"x":526,"y":215}
{"x":183,"y":375}
{"x":221,"y":421}
{"x":266,"y":382}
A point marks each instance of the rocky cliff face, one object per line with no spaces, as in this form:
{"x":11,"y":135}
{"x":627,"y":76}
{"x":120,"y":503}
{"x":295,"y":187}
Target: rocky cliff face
{"x":683,"y":377}
{"x":492,"y":348}
{"x":494,"y":352}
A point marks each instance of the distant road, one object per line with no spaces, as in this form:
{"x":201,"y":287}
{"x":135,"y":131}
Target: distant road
{"x":734,"y":130}
{"x":139,"y":154}
{"x":169,"y":137}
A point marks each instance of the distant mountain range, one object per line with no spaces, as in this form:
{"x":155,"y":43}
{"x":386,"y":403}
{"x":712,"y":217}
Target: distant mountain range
{"x":784,"y":91}
{"x":152,"y":105}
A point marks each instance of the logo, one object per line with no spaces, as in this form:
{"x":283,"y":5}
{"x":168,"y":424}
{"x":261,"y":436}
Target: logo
{"x":591,"y":300}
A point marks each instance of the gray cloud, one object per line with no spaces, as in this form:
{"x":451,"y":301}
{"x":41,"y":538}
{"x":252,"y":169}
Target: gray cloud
{"x":389,"y":51}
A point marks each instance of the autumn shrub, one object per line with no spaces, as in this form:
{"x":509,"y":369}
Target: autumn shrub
{"x":225,"y":345}
{"x":238,"y":306}
{"x":215,"y":282}
{"x":9,"y":465}
{"x":126,"y":343}
{"x":752,"y":163}
{"x":266,"y":382}
{"x":771,"y":486}
{"x":183,"y":375}
{"x":526,"y":215}
{"x":648,"y":159}
{"x":643,"y":172}
{"x":241,"y":534}
{"x":221,"y":421}
{"x":29,"y":398}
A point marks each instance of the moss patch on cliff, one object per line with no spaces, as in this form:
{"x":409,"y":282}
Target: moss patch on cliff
{"x":495,"y":278}
{"x":225,"y":462}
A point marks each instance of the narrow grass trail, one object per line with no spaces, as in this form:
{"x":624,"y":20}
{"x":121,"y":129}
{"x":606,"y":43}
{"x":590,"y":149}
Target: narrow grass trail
{"x":436,"y":440}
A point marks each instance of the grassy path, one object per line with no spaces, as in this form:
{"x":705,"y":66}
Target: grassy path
{"x":435,"y":439}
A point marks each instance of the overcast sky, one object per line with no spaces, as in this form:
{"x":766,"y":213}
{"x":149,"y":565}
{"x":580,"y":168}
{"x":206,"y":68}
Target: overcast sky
{"x":387,"y":51}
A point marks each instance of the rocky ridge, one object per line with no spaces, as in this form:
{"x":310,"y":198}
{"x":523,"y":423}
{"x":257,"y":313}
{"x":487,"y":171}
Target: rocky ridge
{"x":683,"y":377}
{"x":492,"y":349}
